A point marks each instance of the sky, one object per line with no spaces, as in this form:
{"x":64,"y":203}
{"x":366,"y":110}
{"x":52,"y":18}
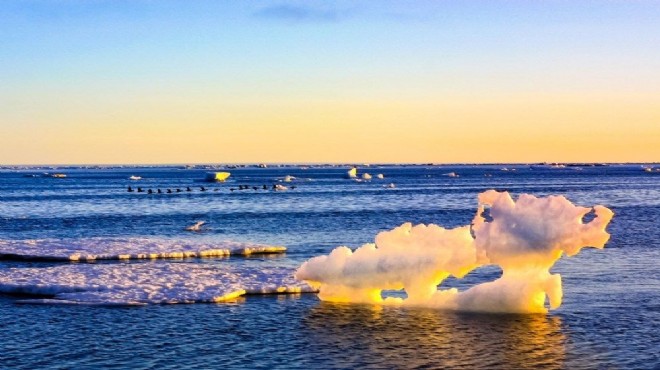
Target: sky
{"x":185,"y":81}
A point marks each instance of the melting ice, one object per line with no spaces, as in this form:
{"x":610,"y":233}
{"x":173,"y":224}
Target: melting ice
{"x":524,"y":237}
{"x":92,"y":249}
{"x":147,"y":283}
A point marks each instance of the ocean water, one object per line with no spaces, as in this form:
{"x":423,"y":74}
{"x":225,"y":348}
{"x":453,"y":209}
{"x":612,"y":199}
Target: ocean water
{"x":609,"y":317}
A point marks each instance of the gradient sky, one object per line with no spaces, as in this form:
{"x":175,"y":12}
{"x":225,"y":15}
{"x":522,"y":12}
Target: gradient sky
{"x":147,"y":81}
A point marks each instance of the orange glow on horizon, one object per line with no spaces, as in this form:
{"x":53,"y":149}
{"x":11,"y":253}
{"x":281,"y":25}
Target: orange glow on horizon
{"x":506,"y":129}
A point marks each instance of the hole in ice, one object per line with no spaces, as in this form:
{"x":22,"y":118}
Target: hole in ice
{"x":394,"y":294}
{"x":588,"y":217}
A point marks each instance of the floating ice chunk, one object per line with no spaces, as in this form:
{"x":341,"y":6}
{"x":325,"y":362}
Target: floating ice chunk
{"x":147,"y":283}
{"x":93,"y":249}
{"x":380,"y":176}
{"x":217,"y":176}
{"x":366,"y":176}
{"x":415,"y":258}
{"x":524,"y":237}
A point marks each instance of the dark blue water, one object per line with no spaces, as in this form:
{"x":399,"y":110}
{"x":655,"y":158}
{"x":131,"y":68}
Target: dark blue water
{"x":609,"y":318}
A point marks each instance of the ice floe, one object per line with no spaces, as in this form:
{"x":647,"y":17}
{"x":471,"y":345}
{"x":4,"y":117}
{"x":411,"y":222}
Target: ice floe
{"x":147,"y":283}
{"x":524,"y":237}
{"x":93,"y":249}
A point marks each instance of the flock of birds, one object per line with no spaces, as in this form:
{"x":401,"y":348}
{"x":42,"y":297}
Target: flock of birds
{"x":275,"y":187}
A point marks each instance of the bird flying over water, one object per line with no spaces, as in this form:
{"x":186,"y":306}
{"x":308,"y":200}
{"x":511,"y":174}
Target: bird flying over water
{"x":196,"y":227}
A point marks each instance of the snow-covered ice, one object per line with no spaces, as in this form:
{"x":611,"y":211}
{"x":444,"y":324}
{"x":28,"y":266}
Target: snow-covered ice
{"x":140,"y":283}
{"x":524,"y":237}
{"x":93,"y":249}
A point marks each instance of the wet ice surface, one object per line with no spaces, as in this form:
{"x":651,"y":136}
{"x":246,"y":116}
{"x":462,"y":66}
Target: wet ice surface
{"x":92,"y":249}
{"x":147,"y":283}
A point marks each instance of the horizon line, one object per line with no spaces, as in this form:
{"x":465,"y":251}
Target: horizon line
{"x":5,"y":166}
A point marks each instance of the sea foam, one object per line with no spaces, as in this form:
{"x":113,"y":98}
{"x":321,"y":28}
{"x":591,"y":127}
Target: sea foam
{"x":524,"y":237}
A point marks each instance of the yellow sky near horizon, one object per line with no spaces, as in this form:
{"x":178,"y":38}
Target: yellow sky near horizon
{"x":515,"y":128}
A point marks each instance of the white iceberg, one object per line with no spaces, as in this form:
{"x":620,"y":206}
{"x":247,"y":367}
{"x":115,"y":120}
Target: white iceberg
{"x":524,"y":237}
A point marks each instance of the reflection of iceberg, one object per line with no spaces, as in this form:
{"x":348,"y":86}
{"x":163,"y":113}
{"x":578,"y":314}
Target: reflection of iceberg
{"x":217,"y":176}
{"x":147,"y":283}
{"x":93,"y":249}
{"x":447,"y":341}
{"x":524,"y":237}
{"x":352,"y":173}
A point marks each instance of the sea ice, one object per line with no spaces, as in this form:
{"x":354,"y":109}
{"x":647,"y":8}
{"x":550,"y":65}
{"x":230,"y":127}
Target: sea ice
{"x":93,"y":249}
{"x":153,"y":282}
{"x":524,"y":237}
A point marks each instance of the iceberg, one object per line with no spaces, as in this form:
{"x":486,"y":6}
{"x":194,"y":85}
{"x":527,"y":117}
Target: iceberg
{"x":217,"y":176}
{"x":524,"y":237}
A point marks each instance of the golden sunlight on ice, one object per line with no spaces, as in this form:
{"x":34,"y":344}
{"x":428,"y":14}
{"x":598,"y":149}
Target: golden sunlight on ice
{"x":524,"y":237}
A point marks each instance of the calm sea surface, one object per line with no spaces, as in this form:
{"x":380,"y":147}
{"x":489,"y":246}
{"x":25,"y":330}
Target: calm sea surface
{"x":610,"y":317}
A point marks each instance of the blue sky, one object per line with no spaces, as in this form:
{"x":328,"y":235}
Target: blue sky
{"x":69,"y":55}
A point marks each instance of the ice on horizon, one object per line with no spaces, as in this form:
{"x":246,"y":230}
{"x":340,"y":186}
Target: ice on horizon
{"x":147,"y":283}
{"x":93,"y":249}
{"x":524,"y":237}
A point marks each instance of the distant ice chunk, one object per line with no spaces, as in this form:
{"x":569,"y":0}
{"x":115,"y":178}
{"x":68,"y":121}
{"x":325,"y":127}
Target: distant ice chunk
{"x":147,"y":283}
{"x":93,"y":249}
